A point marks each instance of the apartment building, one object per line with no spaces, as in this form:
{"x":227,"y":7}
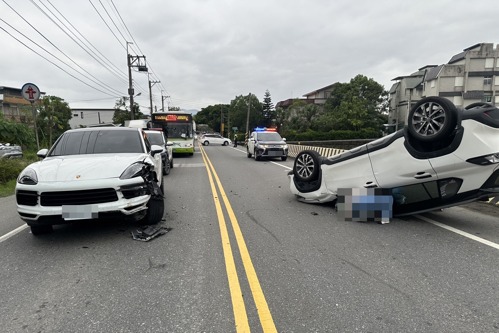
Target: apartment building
{"x":470,"y":76}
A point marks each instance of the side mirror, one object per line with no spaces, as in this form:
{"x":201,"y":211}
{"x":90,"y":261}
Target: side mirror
{"x":284,"y":139}
{"x":169,"y":143}
{"x":155,"y":149}
{"x":42,"y":153}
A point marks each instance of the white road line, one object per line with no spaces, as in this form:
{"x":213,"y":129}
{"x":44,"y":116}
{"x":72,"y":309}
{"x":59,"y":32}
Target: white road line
{"x":13,"y":232}
{"x":459,"y":232}
{"x":281,"y":165}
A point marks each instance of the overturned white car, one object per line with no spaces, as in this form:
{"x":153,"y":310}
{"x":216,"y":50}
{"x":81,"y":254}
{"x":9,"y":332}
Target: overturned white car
{"x":444,"y":157}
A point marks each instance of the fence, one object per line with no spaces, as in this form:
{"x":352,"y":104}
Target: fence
{"x":295,"y":149}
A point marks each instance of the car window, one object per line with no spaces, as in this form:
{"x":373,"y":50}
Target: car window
{"x":269,"y":136}
{"x":156,"y":139}
{"x":98,"y":142}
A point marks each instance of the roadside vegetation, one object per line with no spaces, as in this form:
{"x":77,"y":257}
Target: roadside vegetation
{"x":354,"y":110}
{"x":10,"y":169}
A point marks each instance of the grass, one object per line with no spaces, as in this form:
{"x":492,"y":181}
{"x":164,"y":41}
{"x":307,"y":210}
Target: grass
{"x":10,"y":169}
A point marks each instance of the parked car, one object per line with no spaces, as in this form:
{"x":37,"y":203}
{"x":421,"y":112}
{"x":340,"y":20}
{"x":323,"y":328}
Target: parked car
{"x":156,"y":137}
{"x":266,"y":143}
{"x":215,"y":139}
{"x":10,"y":151}
{"x":444,"y":157}
{"x":92,"y":173}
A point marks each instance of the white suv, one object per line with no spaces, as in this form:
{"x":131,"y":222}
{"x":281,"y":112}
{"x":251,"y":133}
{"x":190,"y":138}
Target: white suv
{"x":267,"y":143}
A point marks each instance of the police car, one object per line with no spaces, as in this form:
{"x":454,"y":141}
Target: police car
{"x":266,"y":143}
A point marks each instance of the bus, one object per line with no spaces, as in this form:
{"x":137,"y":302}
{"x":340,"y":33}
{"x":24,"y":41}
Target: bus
{"x":179,"y":128}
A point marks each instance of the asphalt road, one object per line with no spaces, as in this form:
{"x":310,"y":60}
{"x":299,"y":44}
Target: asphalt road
{"x":242,"y":254}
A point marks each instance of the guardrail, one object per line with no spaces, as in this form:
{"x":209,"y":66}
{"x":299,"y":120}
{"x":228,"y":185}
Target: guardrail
{"x":295,"y":149}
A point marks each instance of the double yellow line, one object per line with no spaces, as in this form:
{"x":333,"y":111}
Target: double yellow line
{"x":240,"y":315}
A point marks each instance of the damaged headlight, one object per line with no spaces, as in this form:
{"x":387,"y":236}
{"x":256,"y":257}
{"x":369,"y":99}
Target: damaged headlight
{"x":28,"y":177}
{"x":134,"y":170}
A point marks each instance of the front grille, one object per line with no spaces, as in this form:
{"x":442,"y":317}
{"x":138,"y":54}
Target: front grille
{"x":28,"y":198}
{"x":84,"y":197}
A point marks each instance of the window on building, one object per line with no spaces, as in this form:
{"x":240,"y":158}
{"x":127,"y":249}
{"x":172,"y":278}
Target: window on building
{"x":487,"y":99}
{"x":459,"y":81}
{"x":487,"y":80}
{"x":432,"y":83}
{"x":489,"y":62}
{"x":496,"y":80}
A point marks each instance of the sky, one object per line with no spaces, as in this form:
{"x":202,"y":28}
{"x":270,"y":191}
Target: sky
{"x":207,"y":52}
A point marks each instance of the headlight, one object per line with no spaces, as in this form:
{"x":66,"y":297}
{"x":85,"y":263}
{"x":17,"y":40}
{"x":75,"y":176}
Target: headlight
{"x":485,"y":160}
{"x":28,"y":177}
{"x":285,"y":147}
{"x":134,"y":170}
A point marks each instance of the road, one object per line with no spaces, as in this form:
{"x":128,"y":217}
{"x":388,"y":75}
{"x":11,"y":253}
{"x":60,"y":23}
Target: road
{"x":242,"y":254}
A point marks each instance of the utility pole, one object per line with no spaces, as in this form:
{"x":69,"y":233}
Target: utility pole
{"x":151,"y":83}
{"x":247,"y":119}
{"x":133,"y":61}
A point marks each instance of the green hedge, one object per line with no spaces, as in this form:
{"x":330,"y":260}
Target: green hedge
{"x":311,"y":135}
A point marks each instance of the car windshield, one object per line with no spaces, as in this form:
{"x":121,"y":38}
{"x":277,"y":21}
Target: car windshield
{"x":97,"y":142}
{"x":155,"y":139}
{"x":273,"y":136}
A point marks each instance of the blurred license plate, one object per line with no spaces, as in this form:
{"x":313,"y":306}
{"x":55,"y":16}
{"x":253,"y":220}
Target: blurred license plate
{"x":79,"y":212}
{"x":275,"y":153}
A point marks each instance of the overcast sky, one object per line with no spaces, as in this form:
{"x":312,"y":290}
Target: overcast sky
{"x":206,"y":52}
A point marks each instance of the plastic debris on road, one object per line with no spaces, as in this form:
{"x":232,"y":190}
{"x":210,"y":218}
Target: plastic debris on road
{"x":147,"y":233}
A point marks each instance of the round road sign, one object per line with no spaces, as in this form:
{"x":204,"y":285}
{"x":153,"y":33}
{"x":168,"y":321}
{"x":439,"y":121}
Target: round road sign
{"x":30,"y":92}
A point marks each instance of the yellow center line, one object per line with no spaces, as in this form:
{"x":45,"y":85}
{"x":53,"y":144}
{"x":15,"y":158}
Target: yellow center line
{"x":261,"y":304}
{"x":239,"y":309}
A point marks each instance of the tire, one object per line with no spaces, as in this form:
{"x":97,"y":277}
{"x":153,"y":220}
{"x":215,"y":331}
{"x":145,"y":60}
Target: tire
{"x":284,"y":158}
{"x":248,"y":154}
{"x":255,"y":155}
{"x":307,"y":166}
{"x":206,"y":143}
{"x":40,"y":229}
{"x":155,"y":210}
{"x":432,"y":119}
{"x":226,"y":143}
{"x":166,"y":169}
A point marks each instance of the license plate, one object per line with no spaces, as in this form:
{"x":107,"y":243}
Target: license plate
{"x":79,"y":212}
{"x":275,"y":153}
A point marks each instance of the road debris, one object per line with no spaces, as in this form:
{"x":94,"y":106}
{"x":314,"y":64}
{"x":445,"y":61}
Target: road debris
{"x":147,"y":233}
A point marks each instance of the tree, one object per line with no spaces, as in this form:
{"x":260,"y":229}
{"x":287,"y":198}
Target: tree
{"x":353,"y":106}
{"x":268,"y":111}
{"x":16,"y":133}
{"x":121,"y":114}
{"x":239,"y":108}
{"x":53,"y":119}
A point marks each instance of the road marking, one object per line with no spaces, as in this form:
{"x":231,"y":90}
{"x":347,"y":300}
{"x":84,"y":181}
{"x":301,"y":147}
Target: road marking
{"x":13,"y":232}
{"x":459,"y":232}
{"x":259,"y":298}
{"x":189,"y":165}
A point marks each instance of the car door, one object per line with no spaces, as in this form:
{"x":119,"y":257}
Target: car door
{"x":393,"y":166}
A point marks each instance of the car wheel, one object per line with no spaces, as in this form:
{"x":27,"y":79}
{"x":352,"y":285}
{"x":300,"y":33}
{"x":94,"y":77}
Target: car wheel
{"x":257,"y":158}
{"x":155,"y":210}
{"x":248,"y":153}
{"x":206,"y":143}
{"x":432,"y":119}
{"x":40,"y":229}
{"x":226,"y":143}
{"x":306,"y":166}
{"x":166,"y":169}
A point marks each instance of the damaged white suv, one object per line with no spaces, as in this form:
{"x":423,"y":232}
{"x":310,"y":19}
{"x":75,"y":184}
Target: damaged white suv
{"x":92,"y":173}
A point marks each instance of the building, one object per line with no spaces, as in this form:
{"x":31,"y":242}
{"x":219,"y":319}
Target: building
{"x":12,"y":104}
{"x":469,"y":76}
{"x":91,"y":117}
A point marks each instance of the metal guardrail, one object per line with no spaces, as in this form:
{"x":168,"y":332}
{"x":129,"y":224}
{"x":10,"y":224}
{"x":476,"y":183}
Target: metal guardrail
{"x":326,"y":152}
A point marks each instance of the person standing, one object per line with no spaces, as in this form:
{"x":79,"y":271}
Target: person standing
{"x":235,"y":140}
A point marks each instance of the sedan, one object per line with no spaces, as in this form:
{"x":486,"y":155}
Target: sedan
{"x":215,"y":139}
{"x":445,"y":156}
{"x":91,"y":173}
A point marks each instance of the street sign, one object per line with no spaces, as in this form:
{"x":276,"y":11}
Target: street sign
{"x":30,"y":92}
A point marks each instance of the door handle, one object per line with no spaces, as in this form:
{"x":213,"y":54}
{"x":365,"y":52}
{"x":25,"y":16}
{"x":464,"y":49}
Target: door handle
{"x":422,"y":175}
